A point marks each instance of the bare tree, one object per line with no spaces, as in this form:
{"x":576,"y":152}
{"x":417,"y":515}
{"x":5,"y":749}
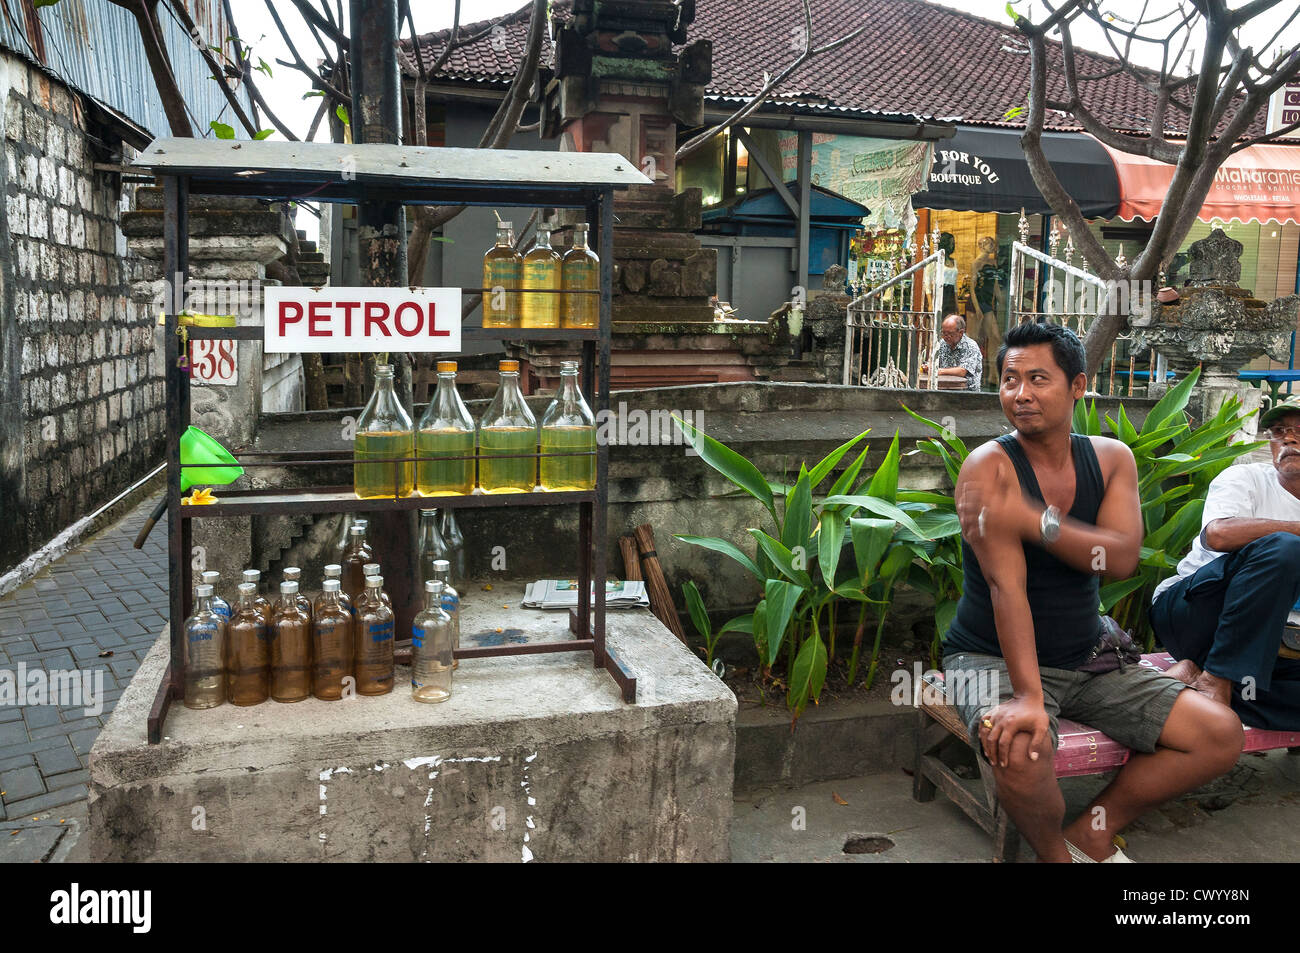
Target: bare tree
{"x":1209,"y":111}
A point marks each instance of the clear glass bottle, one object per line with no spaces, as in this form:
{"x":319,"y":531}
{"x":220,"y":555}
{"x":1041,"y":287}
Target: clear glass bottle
{"x":580,"y":271}
{"x":332,"y":646}
{"x":290,"y":647}
{"x":455,"y":540}
{"x":345,"y":538}
{"x":568,"y":427}
{"x":541,"y":273}
{"x":205,"y":653}
{"x":503,"y":269}
{"x":374,"y":661}
{"x":384,"y":431}
{"x":431,"y":648}
{"x":335,"y":571}
{"x":264,"y":604}
{"x":294,"y":574}
{"x":507,"y":429}
{"x":450,"y":601}
{"x":431,"y":544}
{"x":354,"y":560}
{"x":219,"y":605}
{"x":445,"y":431}
{"x":248,"y":671}
{"x":372,"y":572}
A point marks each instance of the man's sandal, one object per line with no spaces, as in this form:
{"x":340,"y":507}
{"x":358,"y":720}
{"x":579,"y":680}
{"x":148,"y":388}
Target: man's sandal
{"x":1079,"y":857}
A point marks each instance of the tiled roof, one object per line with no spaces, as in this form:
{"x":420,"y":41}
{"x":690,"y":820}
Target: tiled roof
{"x":915,"y":58}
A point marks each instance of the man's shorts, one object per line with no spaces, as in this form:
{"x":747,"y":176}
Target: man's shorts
{"x":1131,"y":704}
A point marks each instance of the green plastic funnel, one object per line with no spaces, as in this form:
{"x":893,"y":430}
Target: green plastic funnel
{"x":219,"y":467}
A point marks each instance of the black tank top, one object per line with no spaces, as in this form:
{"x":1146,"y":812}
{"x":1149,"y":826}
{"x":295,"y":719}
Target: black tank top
{"x":1064,"y":602}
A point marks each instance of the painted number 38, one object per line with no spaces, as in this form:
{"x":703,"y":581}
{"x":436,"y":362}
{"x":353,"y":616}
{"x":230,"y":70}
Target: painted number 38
{"x":214,"y":362}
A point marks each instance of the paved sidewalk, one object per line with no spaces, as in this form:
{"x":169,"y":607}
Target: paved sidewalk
{"x":97,"y":609}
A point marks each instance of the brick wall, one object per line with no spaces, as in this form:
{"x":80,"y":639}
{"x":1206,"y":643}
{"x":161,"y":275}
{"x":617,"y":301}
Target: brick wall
{"x":87,"y":406}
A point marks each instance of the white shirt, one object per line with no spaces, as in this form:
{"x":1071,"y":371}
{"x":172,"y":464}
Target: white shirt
{"x":1250,"y":490}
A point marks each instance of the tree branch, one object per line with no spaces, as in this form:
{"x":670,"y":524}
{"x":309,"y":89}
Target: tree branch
{"x":313,"y":18}
{"x":218,"y":72}
{"x":317,"y":79}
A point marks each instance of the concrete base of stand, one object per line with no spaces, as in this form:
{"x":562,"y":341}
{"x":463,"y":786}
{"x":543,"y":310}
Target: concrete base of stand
{"x":533,"y":758}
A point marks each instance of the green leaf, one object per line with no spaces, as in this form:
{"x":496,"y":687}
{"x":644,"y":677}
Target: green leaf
{"x":798,"y":516}
{"x":1113,"y":592}
{"x":45,"y":3}
{"x":759,"y":623}
{"x":782,"y":558}
{"x":1177,"y":527}
{"x":827,"y":463}
{"x":1014,"y":113}
{"x":263,"y":133}
{"x":342,"y":112}
{"x":1171,"y":404}
{"x":724,"y":547}
{"x":935,"y":524}
{"x":944,"y":613}
{"x":781,"y":598}
{"x":730,"y":464}
{"x":741,"y":623}
{"x":262,"y":65}
{"x":314,"y":92}
{"x":884,"y":484}
{"x":880,"y":508}
{"x":695,"y":605}
{"x":808,"y":674}
{"x":899,"y":559}
{"x":920,"y":496}
{"x":1079,"y":424}
{"x":830,"y":542}
{"x":870,"y":540}
{"x":1012,"y":13}
{"x":221,"y":130}
{"x":845,"y":480}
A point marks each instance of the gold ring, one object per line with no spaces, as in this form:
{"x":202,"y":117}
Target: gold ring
{"x":987,"y":722}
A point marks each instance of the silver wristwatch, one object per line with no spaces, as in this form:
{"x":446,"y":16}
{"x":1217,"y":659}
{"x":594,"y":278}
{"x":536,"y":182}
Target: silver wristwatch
{"x":1049,"y":526}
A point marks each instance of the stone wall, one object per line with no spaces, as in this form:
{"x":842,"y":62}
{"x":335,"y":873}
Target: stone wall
{"x":81,"y":384}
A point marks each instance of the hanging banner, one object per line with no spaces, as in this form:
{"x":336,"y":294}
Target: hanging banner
{"x":297,"y":320}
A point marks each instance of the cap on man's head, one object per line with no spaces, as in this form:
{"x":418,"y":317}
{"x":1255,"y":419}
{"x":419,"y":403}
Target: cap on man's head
{"x":1289,"y":406}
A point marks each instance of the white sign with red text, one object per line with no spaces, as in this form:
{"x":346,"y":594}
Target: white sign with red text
{"x":361,"y":319}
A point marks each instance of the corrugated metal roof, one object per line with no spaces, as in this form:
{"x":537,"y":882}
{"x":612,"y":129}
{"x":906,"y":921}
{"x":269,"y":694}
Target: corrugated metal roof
{"x":95,"y":48}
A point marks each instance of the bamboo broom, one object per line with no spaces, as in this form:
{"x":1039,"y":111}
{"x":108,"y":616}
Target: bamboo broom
{"x":631,"y":561}
{"x":661,"y":600}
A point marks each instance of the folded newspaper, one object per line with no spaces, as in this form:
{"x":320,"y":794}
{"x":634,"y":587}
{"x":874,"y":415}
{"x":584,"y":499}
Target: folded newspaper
{"x":563,"y":594}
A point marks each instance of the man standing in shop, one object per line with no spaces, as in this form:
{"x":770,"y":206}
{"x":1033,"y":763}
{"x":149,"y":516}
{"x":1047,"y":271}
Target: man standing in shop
{"x":1044,"y":513}
{"x":957,"y":356}
{"x":1225,"y":615}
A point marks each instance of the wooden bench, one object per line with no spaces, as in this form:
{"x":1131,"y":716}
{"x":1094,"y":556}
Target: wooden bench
{"x":1081,"y":751}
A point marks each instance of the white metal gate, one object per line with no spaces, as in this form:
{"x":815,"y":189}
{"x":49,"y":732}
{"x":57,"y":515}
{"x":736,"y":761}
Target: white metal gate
{"x":886,"y":340}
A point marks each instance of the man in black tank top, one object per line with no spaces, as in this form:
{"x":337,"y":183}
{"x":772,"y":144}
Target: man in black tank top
{"x":1044,"y":513}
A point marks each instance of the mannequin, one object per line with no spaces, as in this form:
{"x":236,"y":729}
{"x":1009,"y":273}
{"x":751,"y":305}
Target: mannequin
{"x":988,"y":300}
{"x":949,"y":304}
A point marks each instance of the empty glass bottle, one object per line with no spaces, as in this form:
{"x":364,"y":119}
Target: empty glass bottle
{"x":372,"y":571}
{"x":446,"y":430}
{"x":580,"y":272}
{"x":290,"y":647}
{"x":294,"y":574}
{"x":358,"y":554}
{"x":219,"y":605}
{"x":374,"y":660}
{"x":507,"y":430}
{"x":568,"y":428}
{"x":205,"y":653}
{"x":332,"y":647}
{"x":541,"y":274}
{"x":431,"y":648}
{"x":264,"y":604}
{"x":450,"y":601}
{"x":248,"y":671}
{"x":431,"y":544}
{"x":335,"y":571}
{"x":455,"y":541}
{"x":503,"y":275}
{"x":384,"y":431}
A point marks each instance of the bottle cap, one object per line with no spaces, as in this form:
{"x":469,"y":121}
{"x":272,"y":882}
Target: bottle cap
{"x":424,"y":512}
{"x":292,"y":573}
{"x":357,"y":529}
{"x":203,"y":591}
{"x":252,"y":575}
{"x":568,"y":367}
{"x":374,"y":582}
{"x":210,"y":576}
{"x":433,"y":585}
{"x":330,"y":585}
{"x":333,"y":571}
{"x":383,"y":370}
{"x":370,"y":569}
{"x":508,"y":367}
{"x":442,"y":565}
{"x":363,"y":523}
{"x":288,"y":588}
{"x":505,"y":224}
{"x":446,"y":367}
{"x":247,"y":588}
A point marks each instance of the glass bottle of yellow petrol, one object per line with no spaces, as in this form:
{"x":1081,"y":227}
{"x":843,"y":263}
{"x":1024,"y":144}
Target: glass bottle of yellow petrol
{"x":384,"y":432}
{"x":541,"y":274}
{"x":580,"y":272}
{"x":503,"y":275}
{"x":568,"y":428}
{"x":445,"y":431}
{"x":507,"y":438}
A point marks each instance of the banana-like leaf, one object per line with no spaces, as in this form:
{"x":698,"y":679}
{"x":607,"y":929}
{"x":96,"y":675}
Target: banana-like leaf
{"x":936,"y":524}
{"x":695,"y":605}
{"x":1079,"y":423}
{"x":827,"y":463}
{"x":881,"y":508}
{"x":730,"y":464}
{"x":845,"y":479}
{"x":797,"y":528}
{"x":1171,"y":404}
{"x":944,"y":613}
{"x":782,"y":558}
{"x":741,"y":623}
{"x":1184,"y":524}
{"x":870,"y":541}
{"x":781,"y":598}
{"x":921,"y":496}
{"x":726,"y":548}
{"x":955,"y":444}
{"x":830,"y":542}
{"x":1113,"y":592}
{"x":808,"y":674}
{"x":884,"y":483}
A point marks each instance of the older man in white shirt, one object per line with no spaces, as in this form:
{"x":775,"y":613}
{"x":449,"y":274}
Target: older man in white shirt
{"x":957,"y":356}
